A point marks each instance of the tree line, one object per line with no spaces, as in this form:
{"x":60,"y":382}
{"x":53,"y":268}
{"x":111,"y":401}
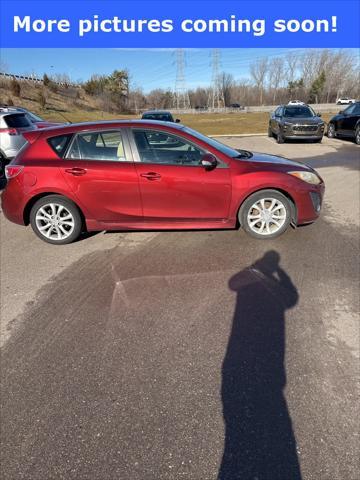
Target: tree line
{"x":313,"y":76}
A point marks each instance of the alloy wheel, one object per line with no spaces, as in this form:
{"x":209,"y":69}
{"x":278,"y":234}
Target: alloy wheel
{"x":331,"y":131}
{"x":357,"y":136}
{"x":266,"y":216}
{"x":54,"y":221}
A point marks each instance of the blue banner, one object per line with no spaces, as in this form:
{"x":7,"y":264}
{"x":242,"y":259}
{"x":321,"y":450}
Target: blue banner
{"x":180,"y":24}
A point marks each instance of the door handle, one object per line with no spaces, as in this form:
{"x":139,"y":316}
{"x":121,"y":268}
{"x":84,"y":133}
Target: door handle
{"x":151,"y":175}
{"x":77,"y":171}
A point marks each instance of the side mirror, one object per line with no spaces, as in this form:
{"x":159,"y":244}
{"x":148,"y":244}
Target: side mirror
{"x":177,"y":120}
{"x":342,"y":112}
{"x":209,"y":161}
{"x":318,"y":114}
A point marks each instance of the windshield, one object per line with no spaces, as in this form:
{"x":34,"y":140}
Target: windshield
{"x":230,"y":152}
{"x":298,"y":112}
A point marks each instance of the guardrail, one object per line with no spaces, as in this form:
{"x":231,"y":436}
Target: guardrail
{"x":32,"y":78}
{"x":317,"y":107}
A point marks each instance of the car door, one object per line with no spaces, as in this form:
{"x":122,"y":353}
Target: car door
{"x":174,"y":186}
{"x":100,"y":171}
{"x":344,"y":120}
{"x":350,"y":120}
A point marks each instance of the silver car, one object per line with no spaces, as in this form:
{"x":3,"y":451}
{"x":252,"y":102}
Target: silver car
{"x":12,"y":125}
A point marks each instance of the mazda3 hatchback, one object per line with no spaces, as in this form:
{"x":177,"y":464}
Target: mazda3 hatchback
{"x":133,"y":175}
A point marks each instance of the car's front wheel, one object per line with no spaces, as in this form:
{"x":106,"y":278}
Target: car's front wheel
{"x":270,"y":133}
{"x":55,"y":219}
{"x":357,"y":135}
{"x":280,"y":137}
{"x":331,"y":132}
{"x":265,"y":214}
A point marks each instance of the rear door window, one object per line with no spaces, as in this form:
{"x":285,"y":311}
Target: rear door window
{"x":17,"y":120}
{"x":106,"y":145}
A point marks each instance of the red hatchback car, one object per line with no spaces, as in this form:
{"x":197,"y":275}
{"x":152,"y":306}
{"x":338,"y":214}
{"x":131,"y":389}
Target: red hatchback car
{"x":132,"y":175}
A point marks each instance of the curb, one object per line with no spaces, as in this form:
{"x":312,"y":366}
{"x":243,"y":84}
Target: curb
{"x":240,"y":135}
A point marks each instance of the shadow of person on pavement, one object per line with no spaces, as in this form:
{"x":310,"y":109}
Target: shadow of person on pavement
{"x":259,"y":439}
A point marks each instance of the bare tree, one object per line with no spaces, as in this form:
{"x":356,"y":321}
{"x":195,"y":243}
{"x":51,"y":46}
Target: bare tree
{"x":199,"y":97}
{"x":291,"y":64}
{"x":276,"y":73}
{"x":258,"y":72}
{"x":226,"y":82}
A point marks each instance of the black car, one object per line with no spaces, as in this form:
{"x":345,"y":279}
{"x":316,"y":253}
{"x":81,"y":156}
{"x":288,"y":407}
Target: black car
{"x":160,"y":115}
{"x":297,"y":122}
{"x":346,"y":123}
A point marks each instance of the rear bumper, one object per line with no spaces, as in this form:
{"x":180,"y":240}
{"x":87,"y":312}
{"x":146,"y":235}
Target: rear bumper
{"x":13,"y":202}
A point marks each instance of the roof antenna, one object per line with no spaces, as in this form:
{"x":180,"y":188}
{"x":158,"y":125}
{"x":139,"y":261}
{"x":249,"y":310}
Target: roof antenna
{"x":62,"y":115}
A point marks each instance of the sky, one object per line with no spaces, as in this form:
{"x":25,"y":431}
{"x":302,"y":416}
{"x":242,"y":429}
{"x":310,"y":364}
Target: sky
{"x":149,"y":69}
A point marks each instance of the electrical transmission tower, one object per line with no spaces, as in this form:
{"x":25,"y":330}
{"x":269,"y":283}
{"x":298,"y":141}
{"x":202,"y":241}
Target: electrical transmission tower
{"x":181,"y":96}
{"x":216,"y":98}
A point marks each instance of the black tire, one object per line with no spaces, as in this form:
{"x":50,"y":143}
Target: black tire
{"x":317,"y":140}
{"x":357,"y":135}
{"x":270,"y":133}
{"x":280,"y":137}
{"x":67,"y":204}
{"x":256,"y":197}
{"x":331,"y":131}
{"x":2,"y":166}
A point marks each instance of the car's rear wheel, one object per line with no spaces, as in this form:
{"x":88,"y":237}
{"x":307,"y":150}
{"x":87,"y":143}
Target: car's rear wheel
{"x":357,"y":135}
{"x":265,"y":214}
{"x":56,"y":220}
{"x":331,"y":132}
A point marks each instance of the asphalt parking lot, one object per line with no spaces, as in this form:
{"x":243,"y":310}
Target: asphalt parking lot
{"x":187,"y":355}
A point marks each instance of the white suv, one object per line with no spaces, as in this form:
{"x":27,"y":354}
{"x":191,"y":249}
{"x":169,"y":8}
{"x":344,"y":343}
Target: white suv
{"x":12,"y":125}
{"x":345,"y":101}
{"x":296,"y":102}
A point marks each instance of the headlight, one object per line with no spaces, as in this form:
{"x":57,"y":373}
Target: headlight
{"x":308,"y":177}
{"x":288,"y":124}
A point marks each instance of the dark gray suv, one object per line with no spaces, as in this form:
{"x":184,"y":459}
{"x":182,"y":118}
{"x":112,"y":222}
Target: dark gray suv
{"x":296,"y":122}
{"x":159,"y":115}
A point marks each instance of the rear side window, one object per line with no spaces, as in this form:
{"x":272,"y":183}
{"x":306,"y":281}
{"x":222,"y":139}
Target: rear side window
{"x":17,"y":120}
{"x":104,"y":145}
{"x":59,"y":144}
